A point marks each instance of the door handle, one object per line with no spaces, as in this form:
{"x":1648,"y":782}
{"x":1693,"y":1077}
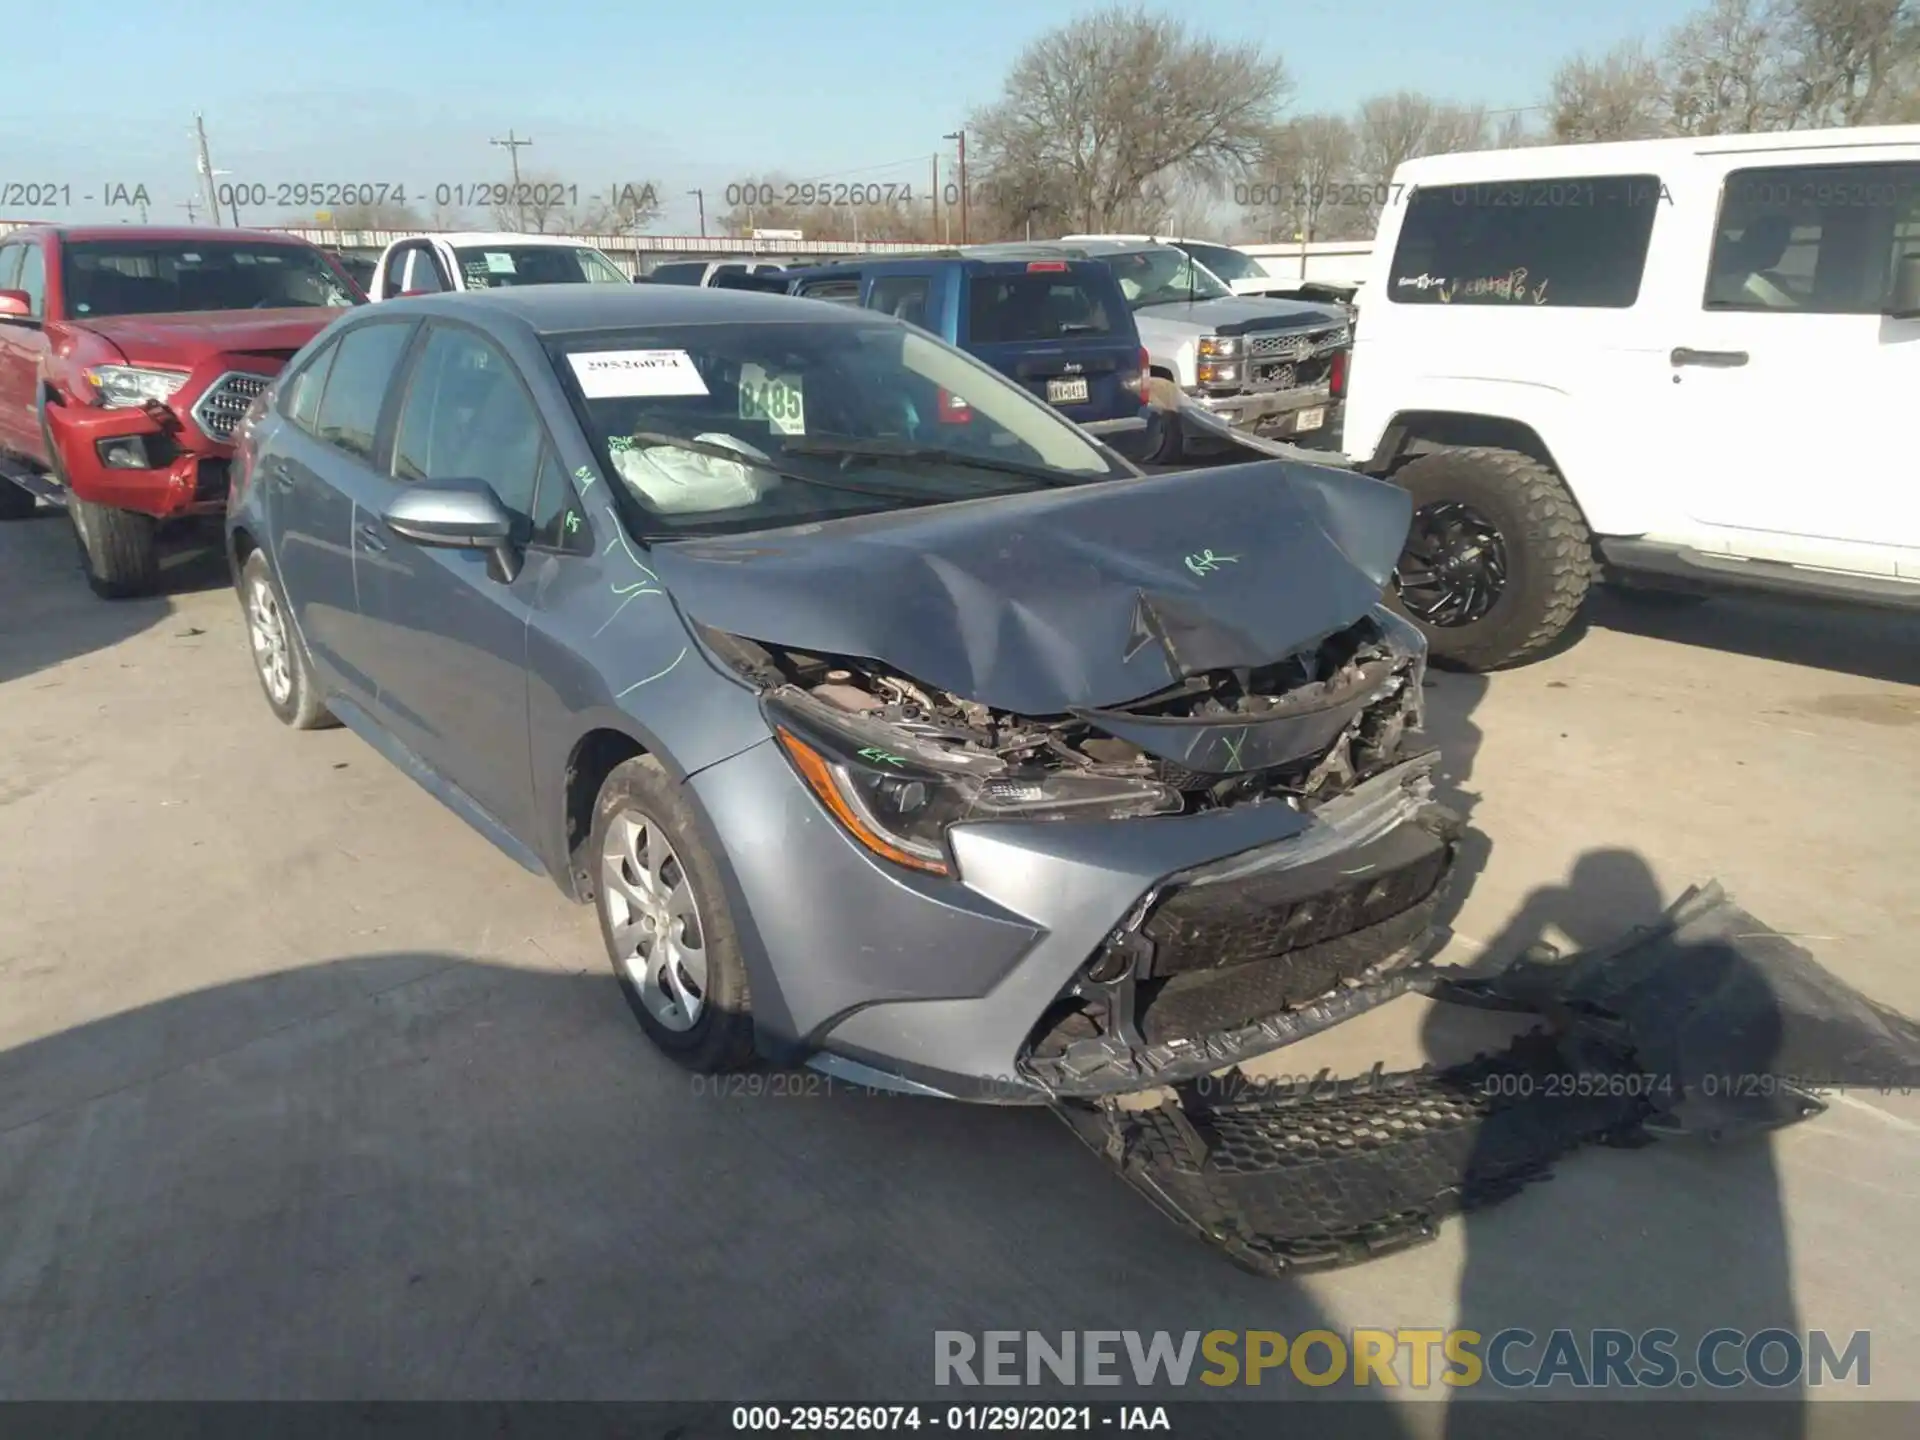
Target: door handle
{"x":371,"y":538}
{"x":1716,"y":359}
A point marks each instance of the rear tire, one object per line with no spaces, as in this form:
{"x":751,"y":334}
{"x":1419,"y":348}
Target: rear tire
{"x":664,"y":919}
{"x":119,"y":549}
{"x":15,"y":503}
{"x":1498,"y":561}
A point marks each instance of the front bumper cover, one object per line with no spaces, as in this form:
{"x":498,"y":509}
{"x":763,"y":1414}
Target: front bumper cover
{"x":1708,"y":1024}
{"x":187,"y":477}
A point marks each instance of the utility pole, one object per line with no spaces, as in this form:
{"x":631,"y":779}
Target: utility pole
{"x":701,"y":197}
{"x":206,"y":171}
{"x":933,"y":216}
{"x":961,"y":136}
{"x":512,"y":145}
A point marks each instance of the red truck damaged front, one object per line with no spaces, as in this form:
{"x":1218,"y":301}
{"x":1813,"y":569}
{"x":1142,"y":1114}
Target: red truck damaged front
{"x":127,"y":357}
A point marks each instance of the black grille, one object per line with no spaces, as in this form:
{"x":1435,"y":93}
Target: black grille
{"x":1295,"y":347}
{"x":1235,"y":922}
{"x":226,"y":400}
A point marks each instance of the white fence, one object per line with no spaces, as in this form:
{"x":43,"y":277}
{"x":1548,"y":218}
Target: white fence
{"x":1333,"y":262}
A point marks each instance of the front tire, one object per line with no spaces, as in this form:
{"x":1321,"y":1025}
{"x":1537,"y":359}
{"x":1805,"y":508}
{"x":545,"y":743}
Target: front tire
{"x":1498,"y":560}
{"x":664,"y":918}
{"x":119,"y":549}
{"x":279,"y":658}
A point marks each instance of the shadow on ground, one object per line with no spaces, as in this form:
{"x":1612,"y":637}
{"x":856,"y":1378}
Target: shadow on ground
{"x":1876,"y":644}
{"x":50,"y":614}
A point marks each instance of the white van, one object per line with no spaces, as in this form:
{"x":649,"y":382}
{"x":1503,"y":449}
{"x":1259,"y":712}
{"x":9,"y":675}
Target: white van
{"x":1680,"y":364}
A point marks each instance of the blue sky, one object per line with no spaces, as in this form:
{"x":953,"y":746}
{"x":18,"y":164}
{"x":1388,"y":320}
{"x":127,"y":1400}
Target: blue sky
{"x":693,"y":95}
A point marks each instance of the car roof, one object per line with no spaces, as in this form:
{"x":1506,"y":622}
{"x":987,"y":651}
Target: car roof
{"x":560,"y":309}
{"x":1133,"y":242}
{"x":1058,"y":249}
{"x":517,"y":239}
{"x":1625,"y":157}
{"x":167,"y":233}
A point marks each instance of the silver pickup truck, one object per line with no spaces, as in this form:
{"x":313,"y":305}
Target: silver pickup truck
{"x":1275,"y":368}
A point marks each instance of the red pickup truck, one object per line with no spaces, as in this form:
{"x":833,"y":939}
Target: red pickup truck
{"x":128,"y":353}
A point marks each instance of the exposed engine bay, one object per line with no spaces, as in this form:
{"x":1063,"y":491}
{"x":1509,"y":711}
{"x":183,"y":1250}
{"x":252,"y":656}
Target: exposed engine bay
{"x":1299,"y":731}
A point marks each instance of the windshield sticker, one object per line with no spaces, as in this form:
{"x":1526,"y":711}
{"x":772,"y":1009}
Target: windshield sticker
{"x":1205,"y":562}
{"x":776,"y":399}
{"x":499,"y":262}
{"x":610,"y":374}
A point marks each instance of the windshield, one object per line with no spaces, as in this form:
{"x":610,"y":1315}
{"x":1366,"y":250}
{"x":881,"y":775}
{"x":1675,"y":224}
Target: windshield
{"x":165,"y":277}
{"x":489,"y":267}
{"x":1161,"y":276}
{"x":828,"y":420}
{"x":1227,"y":263}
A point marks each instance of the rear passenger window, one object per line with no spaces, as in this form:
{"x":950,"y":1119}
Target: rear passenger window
{"x":1818,"y":239}
{"x":845,"y":292}
{"x":902,"y":296}
{"x":1004,"y":309}
{"x":1579,"y":242}
{"x":304,"y":387}
{"x":357,"y":386}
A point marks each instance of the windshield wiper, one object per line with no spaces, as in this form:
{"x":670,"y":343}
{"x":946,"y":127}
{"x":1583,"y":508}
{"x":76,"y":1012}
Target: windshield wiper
{"x":853,"y":449}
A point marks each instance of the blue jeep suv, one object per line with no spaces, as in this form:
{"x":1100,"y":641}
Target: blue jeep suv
{"x":1059,"y":328}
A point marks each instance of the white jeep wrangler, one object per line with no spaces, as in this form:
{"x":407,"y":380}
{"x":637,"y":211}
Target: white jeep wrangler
{"x":1680,"y":365}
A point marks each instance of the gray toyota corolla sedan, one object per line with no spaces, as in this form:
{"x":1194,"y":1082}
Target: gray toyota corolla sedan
{"x":892,"y":724}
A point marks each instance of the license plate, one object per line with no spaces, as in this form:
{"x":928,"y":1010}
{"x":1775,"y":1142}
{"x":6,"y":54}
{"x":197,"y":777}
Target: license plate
{"x":1310,"y":420}
{"x":1067,"y":392}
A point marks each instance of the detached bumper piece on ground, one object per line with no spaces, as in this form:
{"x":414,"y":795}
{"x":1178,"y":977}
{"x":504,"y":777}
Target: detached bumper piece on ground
{"x":1708,"y":1024}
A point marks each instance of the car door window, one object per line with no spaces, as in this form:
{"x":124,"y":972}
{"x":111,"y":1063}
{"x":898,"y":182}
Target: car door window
{"x":357,"y":384}
{"x":468,"y":416}
{"x":558,"y":523}
{"x":422,"y":273}
{"x":1815,"y":239}
{"x":902,"y":296}
{"x":301,"y":402}
{"x":33,"y":278}
{"x":9,"y":265}
{"x":393,"y":272}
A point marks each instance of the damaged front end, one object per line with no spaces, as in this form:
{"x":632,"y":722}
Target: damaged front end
{"x":1215,"y":963}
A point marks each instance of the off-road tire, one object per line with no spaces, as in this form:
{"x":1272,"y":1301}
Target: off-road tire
{"x":15,"y":503}
{"x":304,"y":707}
{"x":721,"y":1039}
{"x":119,"y":549}
{"x":1549,"y":552}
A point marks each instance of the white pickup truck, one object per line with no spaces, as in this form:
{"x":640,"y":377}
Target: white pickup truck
{"x":486,"y":260}
{"x":1683,"y":365}
{"x":1240,"y":272}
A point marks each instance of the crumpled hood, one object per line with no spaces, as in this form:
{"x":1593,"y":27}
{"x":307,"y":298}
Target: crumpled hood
{"x":1084,"y":597}
{"x":188,"y":337}
{"x":1242,"y":313}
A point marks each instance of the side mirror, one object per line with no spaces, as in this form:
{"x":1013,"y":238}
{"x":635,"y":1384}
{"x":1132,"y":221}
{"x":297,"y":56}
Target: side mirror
{"x":458,"y":515}
{"x":15,"y":305}
{"x":1902,"y":304}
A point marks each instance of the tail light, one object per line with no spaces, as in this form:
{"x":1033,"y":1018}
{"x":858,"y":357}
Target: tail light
{"x":1048,"y":266}
{"x":1337,"y":375}
{"x":1139,"y":379}
{"x":954,"y":410}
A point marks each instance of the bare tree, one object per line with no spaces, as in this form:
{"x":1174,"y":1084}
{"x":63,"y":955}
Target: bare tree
{"x":536,"y":205}
{"x":1616,"y":97}
{"x":385,"y":215}
{"x":1393,"y":129}
{"x":1119,"y":100}
{"x":1304,"y":186}
{"x":1847,"y":59}
{"x":628,"y":208}
{"x":1723,"y":72}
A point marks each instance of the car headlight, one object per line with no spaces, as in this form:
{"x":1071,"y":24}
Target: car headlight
{"x":1220,"y":347}
{"x":118,"y":386}
{"x":897,"y":795}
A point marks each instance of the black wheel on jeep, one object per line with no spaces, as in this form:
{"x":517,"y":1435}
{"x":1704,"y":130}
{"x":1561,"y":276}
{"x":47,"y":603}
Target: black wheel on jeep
{"x":1497,"y":560}
{"x":119,"y":549}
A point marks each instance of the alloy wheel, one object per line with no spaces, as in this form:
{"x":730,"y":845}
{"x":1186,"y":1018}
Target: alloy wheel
{"x":267,"y":627}
{"x":653,"y":920}
{"x":1454,"y":567}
